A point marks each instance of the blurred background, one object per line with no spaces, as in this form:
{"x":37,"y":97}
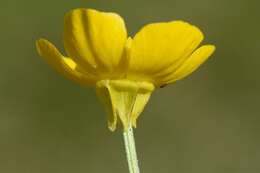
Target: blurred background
{"x":206,"y":123}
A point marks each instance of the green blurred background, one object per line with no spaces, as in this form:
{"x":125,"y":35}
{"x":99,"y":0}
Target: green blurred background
{"x":206,"y":123}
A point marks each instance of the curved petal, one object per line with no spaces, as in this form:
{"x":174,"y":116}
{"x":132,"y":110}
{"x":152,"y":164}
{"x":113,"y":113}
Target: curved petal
{"x":192,"y":63}
{"x":95,"y":39}
{"x":64,"y":65}
{"x":159,"y":48}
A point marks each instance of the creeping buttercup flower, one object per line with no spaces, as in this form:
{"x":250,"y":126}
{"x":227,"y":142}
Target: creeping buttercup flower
{"x":124,"y":70}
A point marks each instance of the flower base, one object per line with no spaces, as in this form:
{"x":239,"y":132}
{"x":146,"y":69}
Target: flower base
{"x":123,"y":99}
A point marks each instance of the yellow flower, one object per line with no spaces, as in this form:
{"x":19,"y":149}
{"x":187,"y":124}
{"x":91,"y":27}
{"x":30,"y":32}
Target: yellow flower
{"x":124,"y":70}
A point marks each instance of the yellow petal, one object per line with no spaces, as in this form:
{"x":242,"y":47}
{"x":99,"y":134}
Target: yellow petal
{"x":159,"y":48}
{"x":95,"y":39}
{"x":192,"y":63}
{"x":64,"y":65}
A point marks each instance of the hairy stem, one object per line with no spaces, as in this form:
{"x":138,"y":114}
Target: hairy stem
{"x":131,"y":151}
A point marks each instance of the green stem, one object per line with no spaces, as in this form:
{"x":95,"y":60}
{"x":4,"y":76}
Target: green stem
{"x":131,"y":151}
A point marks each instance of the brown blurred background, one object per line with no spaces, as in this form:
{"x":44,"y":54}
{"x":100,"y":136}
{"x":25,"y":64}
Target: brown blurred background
{"x":206,"y":123}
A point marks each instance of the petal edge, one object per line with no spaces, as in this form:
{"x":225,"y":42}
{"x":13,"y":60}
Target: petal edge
{"x":63,"y":65}
{"x":197,"y":58}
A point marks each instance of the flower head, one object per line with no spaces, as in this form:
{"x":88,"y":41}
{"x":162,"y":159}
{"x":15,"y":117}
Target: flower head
{"x":124,"y":70}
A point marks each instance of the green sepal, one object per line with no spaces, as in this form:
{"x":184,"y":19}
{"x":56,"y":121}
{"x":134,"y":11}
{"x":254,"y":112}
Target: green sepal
{"x":124,"y":100}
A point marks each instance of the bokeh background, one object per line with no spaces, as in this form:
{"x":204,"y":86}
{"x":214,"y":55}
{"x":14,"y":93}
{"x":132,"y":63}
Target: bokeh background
{"x":206,"y":123}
